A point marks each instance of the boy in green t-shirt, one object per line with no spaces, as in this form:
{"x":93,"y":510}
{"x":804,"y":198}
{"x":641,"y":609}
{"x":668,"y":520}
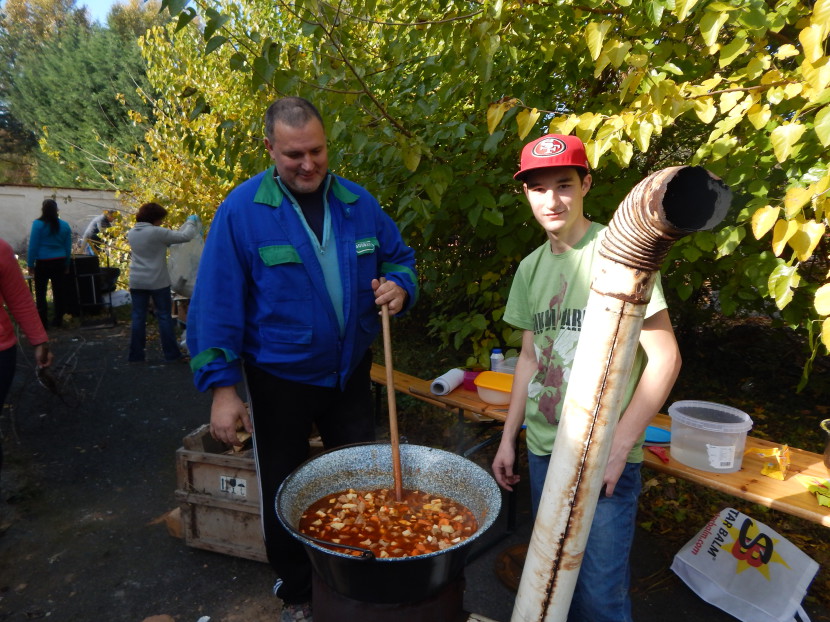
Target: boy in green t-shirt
{"x":547,"y":302}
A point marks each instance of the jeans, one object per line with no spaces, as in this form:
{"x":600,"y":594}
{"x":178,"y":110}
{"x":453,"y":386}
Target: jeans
{"x":53,"y":270}
{"x":162,"y":302}
{"x":601,"y":593}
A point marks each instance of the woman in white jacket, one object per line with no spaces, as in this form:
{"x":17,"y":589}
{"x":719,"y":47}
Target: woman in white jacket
{"x":149,"y":278}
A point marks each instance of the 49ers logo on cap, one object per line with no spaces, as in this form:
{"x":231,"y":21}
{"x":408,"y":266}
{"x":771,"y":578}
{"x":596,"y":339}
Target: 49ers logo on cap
{"x":549,"y":147}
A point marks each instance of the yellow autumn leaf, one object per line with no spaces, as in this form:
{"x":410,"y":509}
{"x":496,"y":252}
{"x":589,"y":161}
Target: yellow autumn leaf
{"x":811,"y":42}
{"x":781,"y":233}
{"x":728,"y":100}
{"x":823,"y":299}
{"x":682,"y":8}
{"x":793,"y":90}
{"x":526,"y":119}
{"x":795,"y":199}
{"x":825,"y":333}
{"x":759,"y":115}
{"x":617,"y":51}
{"x":593,"y":152}
{"x":817,"y":74}
{"x":786,"y":51}
{"x":822,"y":125}
{"x":763,"y":220}
{"x":784,"y":138}
{"x":594,"y":37}
{"x":805,"y":240}
{"x":705,"y":109}
{"x":623,"y":150}
{"x":564,"y":124}
{"x":588,"y":121}
{"x":822,"y":184}
{"x":710,"y":25}
{"x":495,"y":112}
{"x":641,"y":133}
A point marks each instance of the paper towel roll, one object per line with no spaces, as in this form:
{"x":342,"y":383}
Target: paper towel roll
{"x":445,"y":383}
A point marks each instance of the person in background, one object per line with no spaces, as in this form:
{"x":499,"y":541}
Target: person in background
{"x":547,"y":299}
{"x":15,"y":295}
{"x":91,"y":241}
{"x":149,"y":278}
{"x":287,"y":299}
{"x":48,"y":259}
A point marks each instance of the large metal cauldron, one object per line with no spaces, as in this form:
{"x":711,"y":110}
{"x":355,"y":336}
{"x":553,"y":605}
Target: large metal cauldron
{"x":368,"y":467}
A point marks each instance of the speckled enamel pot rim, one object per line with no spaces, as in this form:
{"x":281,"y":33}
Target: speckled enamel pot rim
{"x":368,"y":466}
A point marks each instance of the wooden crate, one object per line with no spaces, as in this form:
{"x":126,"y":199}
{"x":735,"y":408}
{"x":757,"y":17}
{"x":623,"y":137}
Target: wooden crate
{"x":219,"y":497}
{"x":218,"y":494}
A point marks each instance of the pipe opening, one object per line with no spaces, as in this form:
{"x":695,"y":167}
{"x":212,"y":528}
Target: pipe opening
{"x":661,"y":209}
{"x":695,"y":200}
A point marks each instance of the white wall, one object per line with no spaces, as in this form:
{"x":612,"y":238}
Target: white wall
{"x":20,"y":205}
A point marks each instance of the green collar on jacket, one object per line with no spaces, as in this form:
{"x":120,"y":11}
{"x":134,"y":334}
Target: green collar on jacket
{"x":270,"y":193}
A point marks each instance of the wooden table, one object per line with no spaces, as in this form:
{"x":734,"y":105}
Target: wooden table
{"x":788,"y":496}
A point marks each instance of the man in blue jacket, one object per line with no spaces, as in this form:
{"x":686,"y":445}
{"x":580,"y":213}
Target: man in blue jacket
{"x":287,"y":299}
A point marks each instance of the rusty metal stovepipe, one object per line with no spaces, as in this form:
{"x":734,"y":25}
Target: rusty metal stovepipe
{"x":658,"y":211}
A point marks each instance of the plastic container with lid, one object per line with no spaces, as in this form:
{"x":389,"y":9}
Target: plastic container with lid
{"x":494,"y":387}
{"x":708,"y":436}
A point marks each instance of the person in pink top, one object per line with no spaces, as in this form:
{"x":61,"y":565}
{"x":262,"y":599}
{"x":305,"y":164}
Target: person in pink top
{"x":15,"y":299}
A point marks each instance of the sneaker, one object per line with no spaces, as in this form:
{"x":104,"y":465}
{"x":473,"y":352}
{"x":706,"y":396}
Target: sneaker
{"x":296,"y":612}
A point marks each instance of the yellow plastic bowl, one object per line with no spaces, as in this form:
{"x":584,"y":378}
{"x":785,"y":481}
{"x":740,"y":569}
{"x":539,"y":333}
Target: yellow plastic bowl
{"x":494,"y":387}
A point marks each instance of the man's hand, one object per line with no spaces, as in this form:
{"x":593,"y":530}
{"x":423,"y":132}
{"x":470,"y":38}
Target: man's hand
{"x":226,"y":411}
{"x":391,"y":294}
{"x":503,"y":465}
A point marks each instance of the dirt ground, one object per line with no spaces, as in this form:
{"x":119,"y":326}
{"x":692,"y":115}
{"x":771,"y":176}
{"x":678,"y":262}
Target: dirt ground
{"x":90,"y":473}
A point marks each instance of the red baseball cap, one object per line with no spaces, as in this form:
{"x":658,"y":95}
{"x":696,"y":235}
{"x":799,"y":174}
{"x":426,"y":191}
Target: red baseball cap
{"x":552,"y":150}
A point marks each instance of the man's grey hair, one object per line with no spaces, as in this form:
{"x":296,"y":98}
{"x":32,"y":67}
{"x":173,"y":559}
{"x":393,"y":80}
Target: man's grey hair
{"x":292,"y":111}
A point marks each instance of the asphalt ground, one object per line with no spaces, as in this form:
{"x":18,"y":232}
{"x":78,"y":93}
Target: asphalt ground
{"x":90,"y":473}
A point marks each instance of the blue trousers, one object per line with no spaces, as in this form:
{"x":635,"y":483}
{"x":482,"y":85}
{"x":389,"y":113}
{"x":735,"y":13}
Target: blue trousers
{"x":162,"y":302}
{"x":601,"y":593}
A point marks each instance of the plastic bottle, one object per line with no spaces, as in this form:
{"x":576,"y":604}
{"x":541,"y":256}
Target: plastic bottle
{"x":496,"y":360}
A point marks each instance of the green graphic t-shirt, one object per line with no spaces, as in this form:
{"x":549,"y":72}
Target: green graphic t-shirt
{"x":548,"y":296}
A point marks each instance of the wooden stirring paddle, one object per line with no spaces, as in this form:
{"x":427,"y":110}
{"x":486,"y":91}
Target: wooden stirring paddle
{"x":390,"y":396}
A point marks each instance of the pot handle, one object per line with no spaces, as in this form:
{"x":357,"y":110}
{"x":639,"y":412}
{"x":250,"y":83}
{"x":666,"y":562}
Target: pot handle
{"x":364,"y":553}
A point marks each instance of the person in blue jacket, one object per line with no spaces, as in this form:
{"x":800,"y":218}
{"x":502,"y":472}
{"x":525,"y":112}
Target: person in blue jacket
{"x":286,"y":303}
{"x":48,"y":260}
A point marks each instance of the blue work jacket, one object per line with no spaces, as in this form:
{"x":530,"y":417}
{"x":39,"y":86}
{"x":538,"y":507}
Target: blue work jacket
{"x":260,"y":294}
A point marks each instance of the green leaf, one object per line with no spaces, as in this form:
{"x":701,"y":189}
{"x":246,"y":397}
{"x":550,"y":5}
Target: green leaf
{"x":198,"y":108}
{"x":783,"y":280}
{"x":237,"y":61}
{"x":214,"y":44}
{"x":683,"y":8}
{"x":732,"y":50}
{"x":710,"y":25}
{"x":185,"y":17}
{"x":411,"y":156}
{"x":654,"y":10}
{"x":215,"y":24}
{"x":176,"y":6}
{"x":728,"y":239}
{"x":494,"y":217}
{"x":784,"y":138}
{"x":594,"y":37}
